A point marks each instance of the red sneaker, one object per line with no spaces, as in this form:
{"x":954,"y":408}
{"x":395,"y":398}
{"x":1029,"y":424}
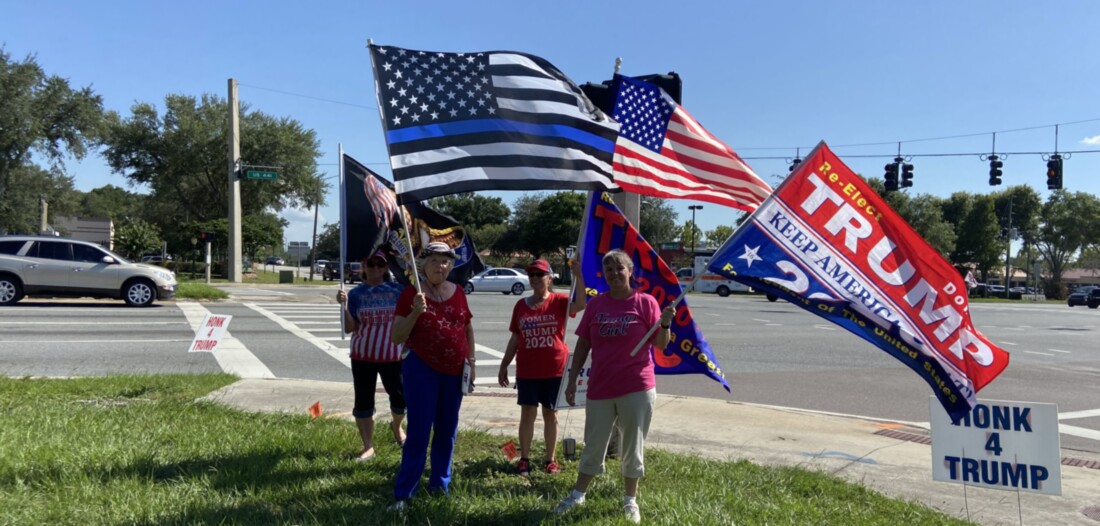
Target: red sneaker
{"x":552,"y":467}
{"x":523,"y":467}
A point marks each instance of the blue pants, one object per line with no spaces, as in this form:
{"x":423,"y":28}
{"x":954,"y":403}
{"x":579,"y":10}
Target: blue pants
{"x":432,"y":400}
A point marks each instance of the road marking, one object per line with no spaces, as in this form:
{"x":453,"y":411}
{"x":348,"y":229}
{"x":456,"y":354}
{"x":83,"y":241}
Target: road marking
{"x":492,"y":352}
{"x":93,"y":341}
{"x":335,"y":314}
{"x":92,"y":322}
{"x":1042,"y":353}
{"x":1007,"y":343}
{"x":1080,"y":432}
{"x":337,"y":322}
{"x":725,"y":324}
{"x":773,"y":324}
{"x":825,"y":327}
{"x":712,"y":314}
{"x":760,"y":320}
{"x":341,"y":355}
{"x":1061,"y":351}
{"x":232,"y":356}
{"x":1089,"y":413}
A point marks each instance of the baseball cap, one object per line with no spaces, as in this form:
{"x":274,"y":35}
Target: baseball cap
{"x":377,"y":255}
{"x":538,"y":265}
{"x":438,"y":247}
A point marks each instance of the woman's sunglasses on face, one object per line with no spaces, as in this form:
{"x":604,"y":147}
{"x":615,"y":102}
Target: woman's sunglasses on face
{"x":537,"y":274}
{"x":375,"y":264}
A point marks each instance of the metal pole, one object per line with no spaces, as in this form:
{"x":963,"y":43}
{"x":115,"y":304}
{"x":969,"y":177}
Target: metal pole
{"x":234,"y":271}
{"x":207,"y":262}
{"x":313,"y":245}
{"x":1008,"y":252}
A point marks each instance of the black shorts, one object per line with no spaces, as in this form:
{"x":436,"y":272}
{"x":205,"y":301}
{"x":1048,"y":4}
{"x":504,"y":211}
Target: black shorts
{"x":539,"y":391}
{"x":365,"y":381}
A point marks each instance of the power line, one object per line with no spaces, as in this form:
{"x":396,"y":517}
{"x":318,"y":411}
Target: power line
{"x":979,"y":154}
{"x":308,"y":96}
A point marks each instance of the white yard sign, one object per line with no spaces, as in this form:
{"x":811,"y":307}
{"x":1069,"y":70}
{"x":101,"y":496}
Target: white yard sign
{"x":999,"y":445}
{"x":582,"y":384}
{"x":210,"y":333}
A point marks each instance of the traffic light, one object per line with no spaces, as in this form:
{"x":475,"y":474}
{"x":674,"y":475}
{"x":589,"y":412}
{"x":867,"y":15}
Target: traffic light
{"x":891,"y":177}
{"x":794,"y":164}
{"x":906,"y":173}
{"x":1054,"y":172}
{"x":207,"y":237}
{"x":995,"y":165}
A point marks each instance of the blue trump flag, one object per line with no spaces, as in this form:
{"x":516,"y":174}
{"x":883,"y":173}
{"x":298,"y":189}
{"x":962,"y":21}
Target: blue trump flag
{"x":605,"y":229}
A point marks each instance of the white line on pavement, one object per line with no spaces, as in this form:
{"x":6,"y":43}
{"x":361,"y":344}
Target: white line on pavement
{"x":92,"y":341}
{"x":1041,"y":353}
{"x":92,"y":322}
{"x":1088,"y":413}
{"x":1007,"y":343}
{"x":1061,"y":351}
{"x":341,"y":355}
{"x":491,"y":352}
{"x":232,"y":356}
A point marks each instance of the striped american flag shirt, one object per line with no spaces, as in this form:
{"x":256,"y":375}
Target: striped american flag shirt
{"x":372,"y":307}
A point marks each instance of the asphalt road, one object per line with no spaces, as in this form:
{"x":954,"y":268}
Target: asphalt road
{"x":773,"y":353}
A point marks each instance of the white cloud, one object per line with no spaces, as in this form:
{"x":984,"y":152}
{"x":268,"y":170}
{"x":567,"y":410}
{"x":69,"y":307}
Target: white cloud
{"x":301,"y":224}
{"x":1091,"y":141}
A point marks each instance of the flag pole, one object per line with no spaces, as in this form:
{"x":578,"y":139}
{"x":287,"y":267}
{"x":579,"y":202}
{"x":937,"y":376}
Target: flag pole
{"x":400,"y":207}
{"x":653,"y":329}
{"x":343,"y":231}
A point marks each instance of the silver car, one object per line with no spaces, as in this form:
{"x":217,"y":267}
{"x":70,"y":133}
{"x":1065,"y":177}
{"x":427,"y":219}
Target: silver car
{"x":504,"y":280}
{"x":52,"y":266}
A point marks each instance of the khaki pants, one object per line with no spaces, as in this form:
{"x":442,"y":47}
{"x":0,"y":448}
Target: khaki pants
{"x":634,"y":413}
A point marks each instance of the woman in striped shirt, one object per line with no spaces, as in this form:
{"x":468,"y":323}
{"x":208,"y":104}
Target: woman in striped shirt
{"x":369,"y":316}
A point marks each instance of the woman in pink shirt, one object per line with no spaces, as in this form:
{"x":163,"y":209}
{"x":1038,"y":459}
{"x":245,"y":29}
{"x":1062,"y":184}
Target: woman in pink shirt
{"x":621,"y":387}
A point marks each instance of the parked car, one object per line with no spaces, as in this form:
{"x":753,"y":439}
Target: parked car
{"x":351,"y":271}
{"x":504,"y":280}
{"x":275,"y":261}
{"x":155,"y":258}
{"x":52,"y":266}
{"x":1080,"y":296}
{"x":320,"y":266}
{"x":1094,"y":298}
{"x":331,"y":271}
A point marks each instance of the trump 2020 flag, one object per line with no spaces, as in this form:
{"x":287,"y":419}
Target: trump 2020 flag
{"x":496,"y":120}
{"x":827,"y":243}
{"x":606,"y":228}
{"x":373,"y":224}
{"x":663,"y":151}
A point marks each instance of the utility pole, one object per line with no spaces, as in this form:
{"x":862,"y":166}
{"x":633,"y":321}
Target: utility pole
{"x":233,"y":272}
{"x":1008,"y":252}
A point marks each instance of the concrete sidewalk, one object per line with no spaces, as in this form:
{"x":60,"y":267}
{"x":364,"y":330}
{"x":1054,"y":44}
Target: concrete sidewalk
{"x":889,"y":458}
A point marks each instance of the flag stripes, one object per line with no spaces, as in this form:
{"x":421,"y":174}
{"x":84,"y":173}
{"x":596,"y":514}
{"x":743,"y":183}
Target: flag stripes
{"x":488,"y":121}
{"x":685,"y":161}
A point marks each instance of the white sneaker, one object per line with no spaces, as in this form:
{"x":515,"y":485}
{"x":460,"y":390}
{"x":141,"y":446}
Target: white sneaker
{"x":398,"y":506}
{"x":633,"y":514}
{"x":568,"y":503}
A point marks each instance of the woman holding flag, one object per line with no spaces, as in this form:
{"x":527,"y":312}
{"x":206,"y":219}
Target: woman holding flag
{"x":539,"y":348}
{"x":621,"y":383}
{"x":435,"y":327}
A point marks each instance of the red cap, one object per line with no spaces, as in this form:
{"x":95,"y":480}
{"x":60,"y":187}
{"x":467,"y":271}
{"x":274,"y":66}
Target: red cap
{"x":538,"y":265}
{"x":377,"y":255}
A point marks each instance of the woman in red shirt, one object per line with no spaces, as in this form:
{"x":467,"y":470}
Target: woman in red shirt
{"x":435,"y":327}
{"x":538,"y":345}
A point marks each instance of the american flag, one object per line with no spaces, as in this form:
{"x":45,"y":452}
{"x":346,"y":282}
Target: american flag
{"x":497,"y":120}
{"x":381,"y":198}
{"x":662,"y":151}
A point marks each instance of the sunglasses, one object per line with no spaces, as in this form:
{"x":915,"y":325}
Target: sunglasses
{"x":536,"y":274}
{"x":375,"y":264}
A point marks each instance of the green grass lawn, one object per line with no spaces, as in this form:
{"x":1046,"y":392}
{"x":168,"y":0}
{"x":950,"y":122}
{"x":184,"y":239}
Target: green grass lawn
{"x":265,"y":277}
{"x":140,"y":450}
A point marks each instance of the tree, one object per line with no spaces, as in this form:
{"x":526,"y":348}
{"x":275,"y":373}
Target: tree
{"x":472,"y":210}
{"x":180,"y":157}
{"x":691,"y":236}
{"x":111,"y":202}
{"x":554,"y":224}
{"x":30,"y":184}
{"x":328,"y":242}
{"x":719,"y":235}
{"x":924,"y":212}
{"x":487,"y":237}
{"x":657,"y":221}
{"x":39,"y":113}
{"x":135,"y":237}
{"x":1069,"y":223}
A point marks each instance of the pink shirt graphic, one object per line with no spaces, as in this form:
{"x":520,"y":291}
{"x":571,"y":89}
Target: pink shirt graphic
{"x":614,"y":327}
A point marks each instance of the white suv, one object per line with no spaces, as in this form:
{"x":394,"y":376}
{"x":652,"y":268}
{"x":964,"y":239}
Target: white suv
{"x":53,"y":266}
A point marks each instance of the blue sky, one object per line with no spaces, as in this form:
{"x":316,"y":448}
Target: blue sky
{"x":766,"y":77}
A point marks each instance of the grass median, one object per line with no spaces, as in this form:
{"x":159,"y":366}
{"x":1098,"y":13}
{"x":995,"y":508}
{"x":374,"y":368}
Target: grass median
{"x":142,"y":450}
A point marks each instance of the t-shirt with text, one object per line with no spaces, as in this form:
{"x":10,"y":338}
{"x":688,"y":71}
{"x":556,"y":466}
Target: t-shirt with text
{"x":540,"y":332}
{"x":373,"y":307}
{"x":614,"y":327}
